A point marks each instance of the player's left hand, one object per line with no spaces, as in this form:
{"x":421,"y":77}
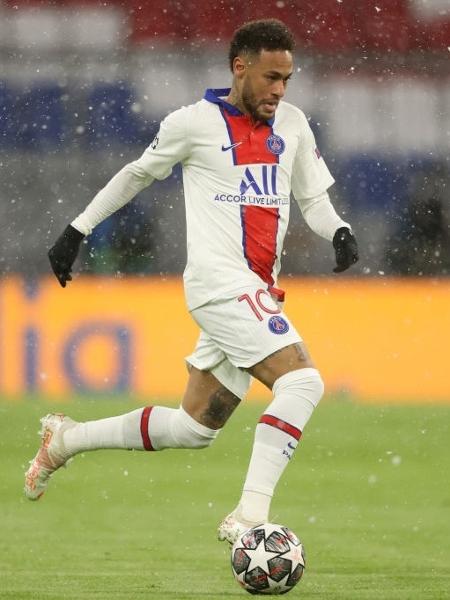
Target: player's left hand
{"x":346,"y":249}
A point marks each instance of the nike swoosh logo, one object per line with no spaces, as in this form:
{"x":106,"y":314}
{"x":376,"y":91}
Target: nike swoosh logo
{"x":291,"y":446}
{"x":225,"y":148}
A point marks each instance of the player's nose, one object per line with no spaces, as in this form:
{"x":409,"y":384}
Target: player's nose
{"x":279,"y":89}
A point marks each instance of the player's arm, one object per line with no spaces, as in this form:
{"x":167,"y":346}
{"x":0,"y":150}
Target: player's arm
{"x":322,"y":218}
{"x":169,"y":147}
{"x":122,"y":188}
{"x":310,"y":181}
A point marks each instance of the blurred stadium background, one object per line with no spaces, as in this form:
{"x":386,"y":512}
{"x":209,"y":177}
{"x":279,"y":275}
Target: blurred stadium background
{"x":83,"y":86}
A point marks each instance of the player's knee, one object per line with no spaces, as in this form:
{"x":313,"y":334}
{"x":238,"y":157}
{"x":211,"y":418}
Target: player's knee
{"x":297,"y":394}
{"x":197,"y":440}
{"x":200,"y":442}
{"x":188,"y":433}
{"x":317,"y":386}
{"x":302,"y":382}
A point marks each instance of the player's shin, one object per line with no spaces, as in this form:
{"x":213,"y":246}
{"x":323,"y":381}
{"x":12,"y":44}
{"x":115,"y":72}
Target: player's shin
{"x":296,"y":394}
{"x":122,"y":431}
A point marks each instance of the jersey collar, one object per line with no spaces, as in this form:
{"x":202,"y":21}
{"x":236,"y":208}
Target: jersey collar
{"x":216,"y":97}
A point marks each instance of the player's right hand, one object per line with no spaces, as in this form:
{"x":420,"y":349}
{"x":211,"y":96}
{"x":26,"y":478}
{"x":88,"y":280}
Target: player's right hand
{"x":63,"y":253}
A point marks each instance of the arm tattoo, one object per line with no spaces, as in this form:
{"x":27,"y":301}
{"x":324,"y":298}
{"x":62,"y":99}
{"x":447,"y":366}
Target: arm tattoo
{"x":221,"y":404}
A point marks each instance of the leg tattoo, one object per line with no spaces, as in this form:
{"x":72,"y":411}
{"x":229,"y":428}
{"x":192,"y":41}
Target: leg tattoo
{"x":221,"y":404}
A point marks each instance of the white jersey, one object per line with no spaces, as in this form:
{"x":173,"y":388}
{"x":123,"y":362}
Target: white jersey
{"x":237,"y":180}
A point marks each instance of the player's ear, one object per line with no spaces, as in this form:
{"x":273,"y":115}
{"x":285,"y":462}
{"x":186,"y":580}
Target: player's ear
{"x":239,"y":66}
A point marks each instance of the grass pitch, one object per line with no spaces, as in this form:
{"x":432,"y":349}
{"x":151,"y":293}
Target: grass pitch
{"x":367,"y":492}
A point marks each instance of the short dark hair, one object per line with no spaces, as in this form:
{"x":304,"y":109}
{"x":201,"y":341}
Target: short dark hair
{"x":265,"y":34}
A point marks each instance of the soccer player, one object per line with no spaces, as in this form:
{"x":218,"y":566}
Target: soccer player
{"x":243,"y":150}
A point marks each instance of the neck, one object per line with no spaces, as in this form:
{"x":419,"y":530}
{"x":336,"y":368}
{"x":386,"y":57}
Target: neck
{"x":235,"y":99}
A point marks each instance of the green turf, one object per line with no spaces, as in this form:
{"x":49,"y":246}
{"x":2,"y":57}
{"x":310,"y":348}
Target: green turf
{"x":367,"y":492}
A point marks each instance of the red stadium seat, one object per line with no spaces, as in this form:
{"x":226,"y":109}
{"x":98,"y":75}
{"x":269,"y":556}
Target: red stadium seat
{"x":205,"y":21}
{"x":15,"y":5}
{"x":382,"y":25}
{"x":434,"y":35}
{"x":324,"y":25}
{"x":156,"y":21}
{"x":321,"y":25}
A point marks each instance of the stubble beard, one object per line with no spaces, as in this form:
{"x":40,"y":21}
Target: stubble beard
{"x":250,"y":104}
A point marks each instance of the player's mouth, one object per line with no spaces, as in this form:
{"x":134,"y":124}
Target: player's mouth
{"x":269,"y":106}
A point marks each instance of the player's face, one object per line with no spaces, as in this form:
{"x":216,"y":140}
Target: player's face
{"x":263,"y":82}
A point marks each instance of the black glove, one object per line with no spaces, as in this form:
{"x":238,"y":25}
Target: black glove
{"x":346,"y":249}
{"x":64,"y":252}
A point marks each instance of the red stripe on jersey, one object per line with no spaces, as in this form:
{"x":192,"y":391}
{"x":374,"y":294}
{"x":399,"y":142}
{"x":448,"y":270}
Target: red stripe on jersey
{"x":259,"y":239}
{"x":252,"y":140}
{"x":259,"y":225}
{"x":144,"y":428}
{"x":280,"y":424}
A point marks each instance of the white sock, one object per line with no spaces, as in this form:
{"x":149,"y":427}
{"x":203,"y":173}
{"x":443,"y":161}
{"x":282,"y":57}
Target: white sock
{"x":150,"y":428}
{"x":174,"y":428}
{"x":296,"y":394}
{"x":122,"y":431}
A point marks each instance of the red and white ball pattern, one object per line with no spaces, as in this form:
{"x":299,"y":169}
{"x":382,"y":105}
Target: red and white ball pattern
{"x":268,"y":559}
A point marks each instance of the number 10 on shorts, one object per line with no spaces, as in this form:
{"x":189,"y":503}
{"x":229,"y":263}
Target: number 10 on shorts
{"x":257,"y":305}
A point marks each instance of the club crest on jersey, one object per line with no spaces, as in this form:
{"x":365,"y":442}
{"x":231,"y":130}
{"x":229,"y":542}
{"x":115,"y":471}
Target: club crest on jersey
{"x":275,"y":144}
{"x":278,"y":325}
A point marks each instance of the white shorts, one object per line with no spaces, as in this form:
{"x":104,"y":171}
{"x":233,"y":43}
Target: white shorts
{"x":237,"y":333}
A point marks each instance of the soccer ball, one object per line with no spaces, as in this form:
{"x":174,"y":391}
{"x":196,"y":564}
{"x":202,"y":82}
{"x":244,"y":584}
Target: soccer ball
{"x":268,"y":559}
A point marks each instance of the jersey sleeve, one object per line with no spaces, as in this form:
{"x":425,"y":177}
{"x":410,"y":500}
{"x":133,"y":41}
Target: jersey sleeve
{"x":122,"y":188}
{"x":321,"y":216}
{"x":169,"y":147}
{"x":310,"y":174}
